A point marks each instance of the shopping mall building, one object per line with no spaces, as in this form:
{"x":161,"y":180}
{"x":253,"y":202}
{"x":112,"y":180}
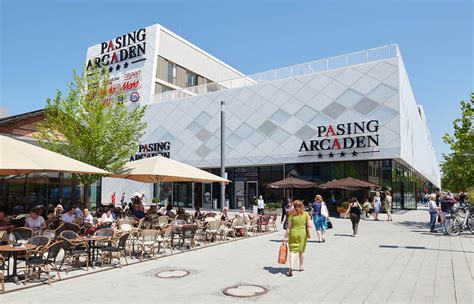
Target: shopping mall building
{"x":351,"y":115}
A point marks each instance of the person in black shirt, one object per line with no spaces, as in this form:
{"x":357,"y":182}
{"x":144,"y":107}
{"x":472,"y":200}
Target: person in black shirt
{"x":354,"y":210}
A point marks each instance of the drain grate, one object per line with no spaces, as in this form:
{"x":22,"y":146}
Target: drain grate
{"x":245,"y":291}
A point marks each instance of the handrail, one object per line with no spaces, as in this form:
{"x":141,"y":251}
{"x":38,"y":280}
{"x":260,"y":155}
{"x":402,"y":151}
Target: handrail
{"x":332,"y":63}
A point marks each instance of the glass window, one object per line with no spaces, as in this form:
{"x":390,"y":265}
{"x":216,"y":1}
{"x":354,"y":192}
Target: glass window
{"x":171,"y":75}
{"x":191,"y":79}
{"x":165,"y":89}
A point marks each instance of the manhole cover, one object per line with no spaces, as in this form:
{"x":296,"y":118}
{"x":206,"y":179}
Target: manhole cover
{"x":172,"y":274}
{"x":245,"y":291}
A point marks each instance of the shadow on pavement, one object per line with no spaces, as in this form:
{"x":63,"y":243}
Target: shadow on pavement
{"x":421,"y":248}
{"x":413,"y":224}
{"x":276,"y":270}
{"x":342,"y":234}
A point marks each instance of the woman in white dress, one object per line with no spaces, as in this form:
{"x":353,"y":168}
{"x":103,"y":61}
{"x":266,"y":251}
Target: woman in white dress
{"x":377,"y":205}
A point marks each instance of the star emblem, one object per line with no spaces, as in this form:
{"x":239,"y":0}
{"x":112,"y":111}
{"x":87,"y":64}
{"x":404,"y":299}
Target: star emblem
{"x":111,"y":69}
{"x":320,"y":155}
{"x":331,"y":155}
{"x":354,"y":153}
{"x":125,"y":65}
{"x":342,"y":154}
{"x":117,"y":67}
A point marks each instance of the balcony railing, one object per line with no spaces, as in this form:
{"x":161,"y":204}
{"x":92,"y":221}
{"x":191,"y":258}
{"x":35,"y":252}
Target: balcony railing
{"x":375,"y":54}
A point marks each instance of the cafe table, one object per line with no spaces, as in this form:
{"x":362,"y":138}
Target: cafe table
{"x":13,"y":251}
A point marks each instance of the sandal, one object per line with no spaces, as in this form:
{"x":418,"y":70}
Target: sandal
{"x":290,"y":273}
{"x":301,"y":269}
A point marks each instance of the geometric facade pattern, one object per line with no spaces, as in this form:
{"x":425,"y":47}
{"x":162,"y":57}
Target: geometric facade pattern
{"x":267,"y":122}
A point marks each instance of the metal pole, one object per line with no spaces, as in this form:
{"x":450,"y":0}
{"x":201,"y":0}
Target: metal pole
{"x":223,"y":154}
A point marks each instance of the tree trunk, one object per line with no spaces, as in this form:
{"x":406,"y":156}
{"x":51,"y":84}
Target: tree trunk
{"x":86,"y":196}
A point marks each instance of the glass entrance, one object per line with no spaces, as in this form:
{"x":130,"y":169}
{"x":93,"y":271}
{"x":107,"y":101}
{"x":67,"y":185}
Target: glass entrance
{"x":239,"y":193}
{"x":252,"y":194}
{"x":207,"y":195}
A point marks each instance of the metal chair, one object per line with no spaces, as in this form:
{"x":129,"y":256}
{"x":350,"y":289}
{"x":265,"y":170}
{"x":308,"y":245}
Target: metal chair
{"x":49,"y":234}
{"x":51,"y":253}
{"x":22,"y":233}
{"x":120,"y":249}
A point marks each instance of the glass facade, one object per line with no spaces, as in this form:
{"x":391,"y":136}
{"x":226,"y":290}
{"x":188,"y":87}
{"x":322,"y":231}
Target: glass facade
{"x":19,"y":193}
{"x":250,"y":182}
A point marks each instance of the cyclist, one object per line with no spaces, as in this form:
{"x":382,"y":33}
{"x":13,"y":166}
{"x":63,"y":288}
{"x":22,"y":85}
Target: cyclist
{"x":446,"y":203}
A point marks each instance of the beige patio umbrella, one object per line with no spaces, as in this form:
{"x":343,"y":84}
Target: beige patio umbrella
{"x":161,"y":169}
{"x":17,"y":157}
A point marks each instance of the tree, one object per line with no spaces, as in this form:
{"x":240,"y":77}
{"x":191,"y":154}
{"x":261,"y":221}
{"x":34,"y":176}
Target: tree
{"x":458,"y":166}
{"x":91,"y":125}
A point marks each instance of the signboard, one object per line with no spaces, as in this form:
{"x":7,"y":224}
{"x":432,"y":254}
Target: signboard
{"x":339,"y":140}
{"x":128,"y":59}
{"x":152,"y":149}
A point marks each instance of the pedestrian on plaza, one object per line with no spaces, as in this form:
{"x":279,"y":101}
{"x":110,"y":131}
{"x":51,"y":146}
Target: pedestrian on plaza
{"x":297,"y":234}
{"x":388,"y":205}
{"x":260,"y":205}
{"x":320,"y":214}
{"x":446,"y":205}
{"x":354,"y":212}
{"x":433,"y":211}
{"x":112,"y":199}
{"x":286,"y":212}
{"x":122,"y":200}
{"x":377,"y":203}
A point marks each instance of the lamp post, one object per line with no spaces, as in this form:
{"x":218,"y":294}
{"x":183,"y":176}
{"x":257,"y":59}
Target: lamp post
{"x":223,"y":175}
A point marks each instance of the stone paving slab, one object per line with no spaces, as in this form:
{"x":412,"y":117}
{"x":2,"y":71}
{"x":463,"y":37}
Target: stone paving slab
{"x":388,"y":262}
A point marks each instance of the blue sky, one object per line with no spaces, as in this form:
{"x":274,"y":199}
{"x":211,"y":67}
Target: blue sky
{"x":43,"y":41}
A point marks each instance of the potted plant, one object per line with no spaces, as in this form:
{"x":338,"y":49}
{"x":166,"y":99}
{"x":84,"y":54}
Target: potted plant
{"x":272,"y":208}
{"x":342,"y":209}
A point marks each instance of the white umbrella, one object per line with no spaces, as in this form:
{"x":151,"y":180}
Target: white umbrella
{"x":17,"y":157}
{"x":161,"y":169}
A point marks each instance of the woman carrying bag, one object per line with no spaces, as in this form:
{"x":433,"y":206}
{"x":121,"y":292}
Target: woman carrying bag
{"x":297,"y":233}
{"x":320,"y":214}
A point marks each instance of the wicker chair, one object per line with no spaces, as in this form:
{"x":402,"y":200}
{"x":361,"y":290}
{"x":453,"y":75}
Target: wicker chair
{"x":120,"y":249}
{"x":165,"y":240}
{"x":163,"y":221}
{"x":73,"y":251}
{"x":2,"y":269}
{"x":238,"y":225}
{"x":214,"y":230}
{"x":47,"y":259}
{"x":22,"y":233}
{"x":272,"y":222}
{"x":148,"y":240}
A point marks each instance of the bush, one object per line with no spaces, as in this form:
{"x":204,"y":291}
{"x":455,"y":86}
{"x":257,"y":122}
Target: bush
{"x":155,"y":200}
{"x":345,"y":204}
{"x":272,"y":206}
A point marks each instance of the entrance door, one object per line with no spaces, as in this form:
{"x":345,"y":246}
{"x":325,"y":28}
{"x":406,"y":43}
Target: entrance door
{"x":239,"y":193}
{"x":207,"y":196}
{"x":252,"y":193}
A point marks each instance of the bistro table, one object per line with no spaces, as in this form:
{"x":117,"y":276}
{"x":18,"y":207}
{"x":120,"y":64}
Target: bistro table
{"x":13,"y":251}
{"x":91,"y":239}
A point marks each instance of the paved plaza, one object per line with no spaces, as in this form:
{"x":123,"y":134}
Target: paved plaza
{"x":388,"y":262}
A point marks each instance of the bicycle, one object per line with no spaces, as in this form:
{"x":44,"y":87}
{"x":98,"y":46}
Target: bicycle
{"x":459,"y":221}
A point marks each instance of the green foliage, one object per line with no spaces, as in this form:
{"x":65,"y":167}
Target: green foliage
{"x":155,"y":200}
{"x":345,"y":204}
{"x":273,"y":206}
{"x":458,"y":166}
{"x":86,"y":126}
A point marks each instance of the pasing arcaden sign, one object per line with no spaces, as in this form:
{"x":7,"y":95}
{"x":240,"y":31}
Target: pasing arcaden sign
{"x":126,"y":47}
{"x":355,"y":137}
{"x":152,"y":149}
